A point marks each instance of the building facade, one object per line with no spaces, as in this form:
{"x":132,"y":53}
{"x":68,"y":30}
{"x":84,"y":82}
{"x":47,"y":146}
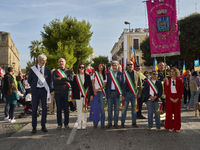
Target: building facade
{"x":9,"y":55}
{"x":122,"y":49}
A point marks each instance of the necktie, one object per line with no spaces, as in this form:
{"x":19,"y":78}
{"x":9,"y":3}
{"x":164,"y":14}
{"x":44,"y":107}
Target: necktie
{"x":39,"y":81}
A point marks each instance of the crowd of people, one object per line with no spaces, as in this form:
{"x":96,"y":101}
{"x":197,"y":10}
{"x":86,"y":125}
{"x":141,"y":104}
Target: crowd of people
{"x":161,"y":90}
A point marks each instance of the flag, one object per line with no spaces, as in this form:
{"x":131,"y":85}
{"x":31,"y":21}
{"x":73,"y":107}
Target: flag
{"x":163,"y":28}
{"x":111,"y":65}
{"x":133,"y":58}
{"x":105,"y":69}
{"x":184,"y":70}
{"x":155,"y":64}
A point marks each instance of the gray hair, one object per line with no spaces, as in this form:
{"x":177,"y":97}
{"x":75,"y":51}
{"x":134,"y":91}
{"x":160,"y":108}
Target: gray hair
{"x":42,"y":56}
{"x":115,"y":62}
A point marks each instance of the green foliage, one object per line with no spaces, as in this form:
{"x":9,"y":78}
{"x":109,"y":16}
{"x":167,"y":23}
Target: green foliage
{"x":100,"y":59}
{"x":35,"y":50}
{"x":72,"y":33}
{"x":28,"y":65}
{"x":189,"y":44}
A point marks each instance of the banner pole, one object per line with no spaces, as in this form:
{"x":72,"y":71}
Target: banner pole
{"x":165,"y":64}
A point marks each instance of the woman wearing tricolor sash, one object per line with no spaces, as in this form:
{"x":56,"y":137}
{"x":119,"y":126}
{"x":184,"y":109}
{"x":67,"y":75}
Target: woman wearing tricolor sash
{"x":153,"y":91}
{"x":99,"y":83}
{"x":174,"y":91}
{"x":80,"y":87}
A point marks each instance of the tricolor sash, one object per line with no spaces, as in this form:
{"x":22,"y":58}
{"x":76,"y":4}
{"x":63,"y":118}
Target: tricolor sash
{"x":100,"y":82}
{"x":62,"y":75}
{"x":118,"y":88}
{"x":84,"y":92}
{"x":42,"y":79}
{"x":155,"y":90}
{"x":133,"y":89}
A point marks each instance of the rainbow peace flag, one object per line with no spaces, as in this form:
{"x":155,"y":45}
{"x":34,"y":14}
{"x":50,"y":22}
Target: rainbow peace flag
{"x":155,"y":64}
{"x":133,"y":58}
{"x":184,"y":70}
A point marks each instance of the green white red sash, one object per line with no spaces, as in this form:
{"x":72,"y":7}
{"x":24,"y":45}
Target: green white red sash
{"x":62,"y":75}
{"x":118,"y":88}
{"x":132,"y":87}
{"x":155,"y":90}
{"x":84,"y":92}
{"x":100,"y":82}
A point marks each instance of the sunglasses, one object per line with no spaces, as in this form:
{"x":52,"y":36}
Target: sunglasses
{"x":81,"y":67}
{"x":173,"y":83}
{"x":154,"y":74}
{"x":129,"y":64}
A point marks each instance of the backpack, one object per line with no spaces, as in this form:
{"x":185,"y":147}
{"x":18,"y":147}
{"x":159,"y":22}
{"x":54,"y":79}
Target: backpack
{"x":193,"y":85}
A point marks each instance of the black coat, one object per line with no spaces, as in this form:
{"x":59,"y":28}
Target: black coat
{"x":75,"y":88}
{"x":8,"y":79}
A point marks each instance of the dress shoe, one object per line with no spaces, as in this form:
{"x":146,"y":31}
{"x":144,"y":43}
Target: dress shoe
{"x":116,"y":126}
{"x":95,"y":127}
{"x":34,"y":131}
{"x":44,"y":129}
{"x":109,"y":125}
{"x":134,"y":125}
{"x":102,"y":127}
{"x":141,"y":117}
{"x":122,"y":125}
{"x":67,"y":127}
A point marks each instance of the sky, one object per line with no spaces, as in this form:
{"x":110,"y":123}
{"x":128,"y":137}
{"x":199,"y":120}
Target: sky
{"x":24,"y":19}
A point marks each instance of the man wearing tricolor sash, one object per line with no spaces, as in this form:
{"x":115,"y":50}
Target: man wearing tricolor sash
{"x":114,"y":93}
{"x":133,"y":89}
{"x":61,"y":78}
{"x":40,"y":79}
{"x":81,"y":85}
{"x":153,"y":91}
{"x":99,"y":83}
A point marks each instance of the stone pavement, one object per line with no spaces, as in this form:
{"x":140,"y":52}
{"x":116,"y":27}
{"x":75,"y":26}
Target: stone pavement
{"x":97,"y":139}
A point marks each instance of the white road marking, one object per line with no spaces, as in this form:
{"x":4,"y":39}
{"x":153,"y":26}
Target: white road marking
{"x":72,"y":133}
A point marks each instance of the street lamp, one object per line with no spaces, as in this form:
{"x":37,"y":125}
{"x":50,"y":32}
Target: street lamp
{"x":126,"y":22}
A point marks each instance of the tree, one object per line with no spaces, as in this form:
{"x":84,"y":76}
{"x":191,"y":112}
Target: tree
{"x":28,"y":65}
{"x":35,"y":50}
{"x":100,"y":59}
{"x":71,"y":33}
{"x":189,"y":44}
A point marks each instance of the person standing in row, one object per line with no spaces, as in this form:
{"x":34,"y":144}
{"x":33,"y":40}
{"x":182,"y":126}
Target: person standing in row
{"x":133,"y":89}
{"x":153,"y":91}
{"x":26,"y":85}
{"x":40,"y":79}
{"x":99,"y":83}
{"x":186,"y":83}
{"x":61,"y":77}
{"x":174,"y":91}
{"x":114,"y":91}
{"x":81,"y":86}
{"x":8,"y":80}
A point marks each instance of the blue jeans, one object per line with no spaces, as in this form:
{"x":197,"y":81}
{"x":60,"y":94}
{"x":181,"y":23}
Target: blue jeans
{"x":113,"y":100}
{"x":152,"y":107}
{"x":129,"y":97}
{"x":195,"y":96}
{"x":7,"y":107}
{"x":101,"y":101}
{"x":62,"y":102}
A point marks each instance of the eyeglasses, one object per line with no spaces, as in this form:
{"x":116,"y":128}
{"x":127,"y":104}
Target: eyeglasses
{"x":154,"y":74}
{"x":81,"y":67}
{"x":129,"y":64}
{"x":173,"y":83}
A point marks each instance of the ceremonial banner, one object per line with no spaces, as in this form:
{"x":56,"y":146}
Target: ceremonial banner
{"x":163,"y":28}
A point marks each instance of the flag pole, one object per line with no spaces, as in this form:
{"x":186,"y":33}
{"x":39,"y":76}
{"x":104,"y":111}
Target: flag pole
{"x":165,"y":64}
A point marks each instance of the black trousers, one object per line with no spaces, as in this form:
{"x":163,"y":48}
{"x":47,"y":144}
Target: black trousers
{"x":186,"y":94}
{"x":11,"y":111}
{"x":140,"y":101}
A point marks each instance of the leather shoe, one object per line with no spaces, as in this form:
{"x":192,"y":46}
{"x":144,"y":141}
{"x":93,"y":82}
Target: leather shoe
{"x":109,"y":125}
{"x":44,"y":129}
{"x":134,"y":125}
{"x":122,"y":125}
{"x":34,"y":131}
{"x":95,"y":127}
{"x":102,"y":127}
{"x":141,"y":117}
{"x":116,"y":126}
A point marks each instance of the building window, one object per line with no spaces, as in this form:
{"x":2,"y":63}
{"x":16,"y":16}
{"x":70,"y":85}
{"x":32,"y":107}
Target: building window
{"x":136,"y":43}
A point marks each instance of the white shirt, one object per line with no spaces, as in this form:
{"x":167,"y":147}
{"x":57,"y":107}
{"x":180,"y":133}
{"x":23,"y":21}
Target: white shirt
{"x":26,"y":82}
{"x":112,"y":84}
{"x":96,"y":84}
{"x":173,"y":88}
{"x":28,"y":98}
{"x":151,"y":90}
{"x":38,"y":66}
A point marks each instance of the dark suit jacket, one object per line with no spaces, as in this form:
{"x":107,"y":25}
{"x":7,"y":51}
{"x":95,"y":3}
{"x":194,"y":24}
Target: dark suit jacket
{"x":120,"y":78}
{"x":147,"y":90}
{"x":75,"y":88}
{"x":33,"y":79}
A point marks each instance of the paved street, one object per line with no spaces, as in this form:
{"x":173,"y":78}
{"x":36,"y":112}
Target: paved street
{"x":97,"y":139}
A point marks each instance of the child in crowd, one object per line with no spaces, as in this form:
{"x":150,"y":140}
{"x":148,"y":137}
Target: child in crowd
{"x":13,"y":97}
{"x":28,"y":97}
